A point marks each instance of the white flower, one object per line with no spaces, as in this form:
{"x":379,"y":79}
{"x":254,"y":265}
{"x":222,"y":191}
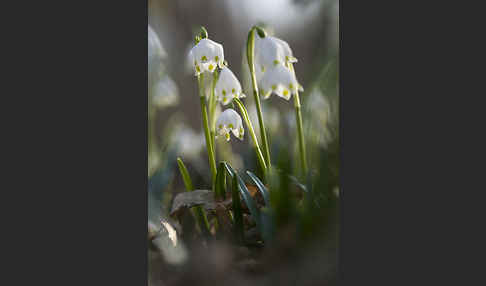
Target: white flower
{"x":165,"y":93}
{"x":274,"y":73}
{"x":228,"y":121}
{"x":271,"y":117}
{"x":319,"y":108}
{"x":270,"y":52}
{"x":206,"y":55}
{"x":156,"y":54}
{"x":279,"y":80}
{"x":155,"y":49}
{"x":227,"y":87}
{"x":188,"y":143}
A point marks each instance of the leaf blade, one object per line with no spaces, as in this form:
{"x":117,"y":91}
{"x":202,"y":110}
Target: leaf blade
{"x":250,"y":203}
{"x":201,"y":217}
{"x":261,"y":187}
{"x":237,"y":212}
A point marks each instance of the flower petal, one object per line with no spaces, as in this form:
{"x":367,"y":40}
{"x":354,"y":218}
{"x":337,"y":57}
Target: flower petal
{"x":206,"y":56}
{"x":228,"y":86}
{"x":279,"y":80}
{"x":230,"y":121}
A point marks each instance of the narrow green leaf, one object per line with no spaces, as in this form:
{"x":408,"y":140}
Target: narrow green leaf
{"x":250,"y":203}
{"x":268,"y":224}
{"x":199,"y":213}
{"x":185,"y":175}
{"x":297,"y":183}
{"x":261,"y":187}
{"x":229,"y":169}
{"x":220,"y":192}
{"x":237,"y":212}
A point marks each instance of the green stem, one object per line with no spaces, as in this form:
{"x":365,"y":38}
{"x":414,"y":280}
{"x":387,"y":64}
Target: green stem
{"x":244,"y":112}
{"x":207,"y":133}
{"x":212,"y":109}
{"x":298,"y":118}
{"x":250,"y":50}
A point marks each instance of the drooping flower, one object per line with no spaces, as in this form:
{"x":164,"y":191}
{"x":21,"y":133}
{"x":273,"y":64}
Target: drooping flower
{"x":273,"y":67}
{"x":165,"y":93}
{"x":279,"y":80}
{"x":270,"y":52}
{"x":228,"y":121}
{"x":156,"y":55}
{"x":318,"y":107}
{"x":228,"y":87}
{"x":155,"y":49}
{"x":206,"y":56}
{"x":187,"y":142}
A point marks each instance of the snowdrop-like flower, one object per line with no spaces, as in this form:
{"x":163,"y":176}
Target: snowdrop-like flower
{"x":155,"y":49}
{"x":228,"y":121}
{"x":270,"y":52}
{"x":206,"y":56}
{"x":280,"y":81}
{"x":156,"y":55}
{"x":228,"y":87}
{"x":189,"y":144}
{"x":165,"y":93}
{"x":319,"y":108}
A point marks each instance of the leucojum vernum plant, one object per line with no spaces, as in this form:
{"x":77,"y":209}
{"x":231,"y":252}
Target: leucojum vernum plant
{"x":270,"y":62}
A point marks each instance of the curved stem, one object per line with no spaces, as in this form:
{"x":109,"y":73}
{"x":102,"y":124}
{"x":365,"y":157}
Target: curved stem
{"x":300,"y":132}
{"x":250,"y":50}
{"x":244,"y":112}
{"x":209,"y":145}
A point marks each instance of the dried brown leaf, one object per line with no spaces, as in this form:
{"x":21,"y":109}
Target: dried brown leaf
{"x":195,"y":198}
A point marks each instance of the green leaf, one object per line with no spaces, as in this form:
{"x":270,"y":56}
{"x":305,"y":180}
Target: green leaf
{"x":185,"y":175}
{"x":237,"y":212}
{"x":268,"y":224}
{"x":261,"y":187}
{"x":250,"y":203}
{"x":199,"y":213}
{"x":297,"y":183}
{"x":220,"y":182}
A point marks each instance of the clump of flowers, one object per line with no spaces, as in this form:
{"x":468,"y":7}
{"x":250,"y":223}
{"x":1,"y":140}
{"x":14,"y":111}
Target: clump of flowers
{"x":270,"y":62}
{"x":162,"y":92}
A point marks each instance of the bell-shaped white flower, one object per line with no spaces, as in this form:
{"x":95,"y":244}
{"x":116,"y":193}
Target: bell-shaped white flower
{"x":228,"y":121}
{"x":280,"y":81}
{"x":227,"y":87}
{"x":187,"y":142}
{"x":156,"y":55}
{"x":155,"y":48}
{"x":206,"y":56}
{"x":165,"y":93}
{"x":269,"y":52}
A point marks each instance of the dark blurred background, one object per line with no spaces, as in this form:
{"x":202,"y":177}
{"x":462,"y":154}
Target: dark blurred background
{"x":306,"y":243}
